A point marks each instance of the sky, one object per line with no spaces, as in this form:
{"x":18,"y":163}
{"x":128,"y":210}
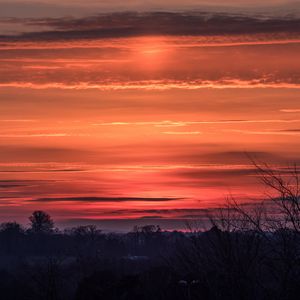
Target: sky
{"x":122,"y":113}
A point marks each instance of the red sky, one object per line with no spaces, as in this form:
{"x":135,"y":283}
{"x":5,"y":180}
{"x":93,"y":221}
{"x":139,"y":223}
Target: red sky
{"x":120,"y":120}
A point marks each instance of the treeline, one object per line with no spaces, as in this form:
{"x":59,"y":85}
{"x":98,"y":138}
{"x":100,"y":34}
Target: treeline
{"x":42,"y":238}
{"x":250,"y":252}
{"x":42,"y":262}
{"x":232,"y":260}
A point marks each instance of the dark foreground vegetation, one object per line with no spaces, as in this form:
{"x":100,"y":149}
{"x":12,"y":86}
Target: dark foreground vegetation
{"x":248,"y":253}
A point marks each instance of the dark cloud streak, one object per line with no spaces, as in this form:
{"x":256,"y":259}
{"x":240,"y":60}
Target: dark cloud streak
{"x":103,"y":199}
{"x":132,"y":24}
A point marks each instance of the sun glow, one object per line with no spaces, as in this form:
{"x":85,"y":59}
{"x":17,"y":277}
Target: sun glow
{"x":151,"y":53}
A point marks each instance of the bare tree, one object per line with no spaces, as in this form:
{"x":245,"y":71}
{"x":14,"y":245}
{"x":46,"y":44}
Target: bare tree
{"x":254,"y":244}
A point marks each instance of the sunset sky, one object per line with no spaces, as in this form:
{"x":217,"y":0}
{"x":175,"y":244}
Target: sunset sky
{"x":141,"y":112}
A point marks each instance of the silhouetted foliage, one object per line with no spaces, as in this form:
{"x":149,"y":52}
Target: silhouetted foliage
{"x":41,"y":222}
{"x":249,"y":252}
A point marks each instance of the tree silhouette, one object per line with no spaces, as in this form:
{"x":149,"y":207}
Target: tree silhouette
{"x":11,"y":234}
{"x":41,"y":222}
{"x":12,"y":228}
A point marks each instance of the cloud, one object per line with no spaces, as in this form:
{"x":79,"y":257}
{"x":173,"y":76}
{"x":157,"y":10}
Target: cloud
{"x":23,"y":183}
{"x":9,"y":186}
{"x":159,"y":85}
{"x":104,"y":199}
{"x":291,"y":130}
{"x":56,"y":8}
{"x":150,"y":217}
{"x":176,"y":210}
{"x":17,"y":121}
{"x":41,"y":135}
{"x":36,"y":158}
{"x":211,"y":41}
{"x":169,"y":123}
{"x":203,"y":212}
{"x":130,"y":24}
{"x":165,"y":123}
{"x":39,"y":9}
{"x":216,"y":174}
{"x":41,"y":165}
{"x":43,"y":171}
{"x":236,"y":161}
{"x":290,"y":110}
{"x":266,"y":132}
{"x":182,"y":132}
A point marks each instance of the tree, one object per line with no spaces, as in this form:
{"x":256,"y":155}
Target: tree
{"x":11,"y":234}
{"x":11,"y":228}
{"x":253,"y":249}
{"x":86,"y":238}
{"x":87,"y":231}
{"x":41,"y":222}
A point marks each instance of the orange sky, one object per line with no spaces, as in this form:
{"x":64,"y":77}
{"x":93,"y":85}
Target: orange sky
{"x":151,"y":128}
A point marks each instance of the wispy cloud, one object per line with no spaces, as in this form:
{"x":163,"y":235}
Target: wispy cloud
{"x":156,"y":85}
{"x":41,"y":135}
{"x":152,"y":23}
{"x":194,"y":42}
{"x":169,"y":123}
{"x":182,"y":132}
{"x":18,"y":121}
{"x":164,"y":123}
{"x":104,"y":199}
{"x":266,"y":132}
{"x":290,"y":110}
